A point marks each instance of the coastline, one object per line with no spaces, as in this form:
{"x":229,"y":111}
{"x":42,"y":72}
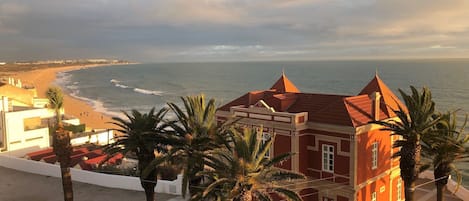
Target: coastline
{"x":42,"y":79}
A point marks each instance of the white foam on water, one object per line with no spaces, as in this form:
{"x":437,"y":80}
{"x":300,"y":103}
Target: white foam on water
{"x":63,"y":78}
{"x":149,"y":92}
{"x":117,"y":84}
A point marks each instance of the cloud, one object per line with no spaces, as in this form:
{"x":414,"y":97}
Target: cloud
{"x":173,"y":30}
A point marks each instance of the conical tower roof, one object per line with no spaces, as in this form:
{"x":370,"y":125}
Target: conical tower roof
{"x":284,"y":85}
{"x":391,"y":101}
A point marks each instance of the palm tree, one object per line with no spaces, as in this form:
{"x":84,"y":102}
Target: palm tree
{"x":194,"y":133}
{"x":56,"y":102}
{"x":61,"y":142}
{"x":411,"y":125}
{"x":243,"y":173}
{"x":445,"y":146}
{"x":140,"y":134}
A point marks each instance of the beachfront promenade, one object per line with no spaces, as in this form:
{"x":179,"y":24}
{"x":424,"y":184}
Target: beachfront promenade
{"x":21,"y":186}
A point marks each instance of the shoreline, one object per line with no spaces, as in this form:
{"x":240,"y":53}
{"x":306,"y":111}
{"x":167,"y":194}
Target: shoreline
{"x":42,"y":79}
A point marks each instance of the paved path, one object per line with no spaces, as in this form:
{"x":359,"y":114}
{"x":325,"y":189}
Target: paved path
{"x":427,"y":192}
{"x":22,"y":186}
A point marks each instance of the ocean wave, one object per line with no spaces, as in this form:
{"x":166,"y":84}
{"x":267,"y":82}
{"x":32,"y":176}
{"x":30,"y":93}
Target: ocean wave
{"x":149,"y":92}
{"x":121,"y":86}
{"x":72,"y":87}
{"x":63,"y":78}
{"x":117,"y":83}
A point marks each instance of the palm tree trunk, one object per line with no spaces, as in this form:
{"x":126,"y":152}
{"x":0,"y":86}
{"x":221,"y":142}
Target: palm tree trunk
{"x":148,"y":182}
{"x":441,"y":173}
{"x":67,"y":183}
{"x":410,"y":165}
{"x":439,"y":192}
{"x":409,"y":191}
{"x":63,"y":150}
{"x":149,"y":188}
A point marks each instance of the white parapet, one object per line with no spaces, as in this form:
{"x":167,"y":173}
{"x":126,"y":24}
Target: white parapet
{"x":100,"y":179}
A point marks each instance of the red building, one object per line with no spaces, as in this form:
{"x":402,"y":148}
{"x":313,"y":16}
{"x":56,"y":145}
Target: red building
{"x":345,"y":157}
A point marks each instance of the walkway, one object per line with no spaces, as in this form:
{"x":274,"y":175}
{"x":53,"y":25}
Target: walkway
{"x":428,"y":192}
{"x":21,"y":186}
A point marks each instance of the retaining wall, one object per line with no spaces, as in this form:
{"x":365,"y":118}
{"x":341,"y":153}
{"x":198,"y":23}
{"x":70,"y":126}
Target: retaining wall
{"x":9,"y":160}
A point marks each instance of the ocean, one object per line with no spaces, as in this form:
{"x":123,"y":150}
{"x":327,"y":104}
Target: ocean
{"x":142,"y":86}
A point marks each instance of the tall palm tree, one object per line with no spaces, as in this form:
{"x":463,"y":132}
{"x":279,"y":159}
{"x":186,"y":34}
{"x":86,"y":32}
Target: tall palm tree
{"x":61,"y":141}
{"x":243,"y":173}
{"x":140,"y":134}
{"x":445,"y":146}
{"x":411,"y":125}
{"x":194,"y":133}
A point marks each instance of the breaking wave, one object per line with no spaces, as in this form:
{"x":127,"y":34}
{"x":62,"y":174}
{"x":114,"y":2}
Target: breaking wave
{"x":149,"y":92}
{"x":117,"y":83}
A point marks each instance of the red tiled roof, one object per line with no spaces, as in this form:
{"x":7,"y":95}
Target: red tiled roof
{"x":284,"y":85}
{"x":360,"y":110}
{"x":324,"y":108}
{"x":388,"y":97}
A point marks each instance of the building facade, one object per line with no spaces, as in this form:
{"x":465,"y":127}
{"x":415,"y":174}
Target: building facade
{"x":24,"y":118}
{"x":344,"y":156}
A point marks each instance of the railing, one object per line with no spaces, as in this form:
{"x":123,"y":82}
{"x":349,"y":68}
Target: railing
{"x":462,"y":192}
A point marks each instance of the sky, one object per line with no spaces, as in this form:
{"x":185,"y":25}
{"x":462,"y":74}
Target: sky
{"x":233,"y":30}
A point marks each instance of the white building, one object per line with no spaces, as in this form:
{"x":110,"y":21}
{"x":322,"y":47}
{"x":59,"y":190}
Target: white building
{"x":23,"y":127}
{"x":24,"y":118}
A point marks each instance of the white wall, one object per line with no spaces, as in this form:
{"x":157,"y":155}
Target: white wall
{"x":106,"y":180}
{"x":17,"y":137}
{"x":101,"y":137}
{"x":74,"y":121}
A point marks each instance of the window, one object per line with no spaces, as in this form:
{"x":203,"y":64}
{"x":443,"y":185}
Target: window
{"x":33,"y":123}
{"x":399,"y":189}
{"x":328,"y":158}
{"x":374,"y":155}
{"x":373,"y":196}
{"x":265,"y":138}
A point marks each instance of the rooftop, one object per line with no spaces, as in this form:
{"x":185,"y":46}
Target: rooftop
{"x":346,"y":110}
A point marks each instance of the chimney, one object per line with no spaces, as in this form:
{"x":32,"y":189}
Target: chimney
{"x":376,"y":97}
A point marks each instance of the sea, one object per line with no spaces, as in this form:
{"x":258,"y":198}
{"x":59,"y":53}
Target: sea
{"x":114,"y":89}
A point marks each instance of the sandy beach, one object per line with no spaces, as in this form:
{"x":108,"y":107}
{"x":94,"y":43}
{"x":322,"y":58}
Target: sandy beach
{"x":44,"y":78}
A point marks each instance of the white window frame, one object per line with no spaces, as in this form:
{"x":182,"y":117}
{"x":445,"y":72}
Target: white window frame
{"x":374,"y":155}
{"x":265,"y":137}
{"x":328,"y":158}
{"x":373,"y":196}
{"x":399,"y":189}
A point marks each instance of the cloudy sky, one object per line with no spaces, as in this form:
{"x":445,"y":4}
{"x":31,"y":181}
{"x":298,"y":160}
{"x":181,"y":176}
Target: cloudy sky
{"x":225,"y":30}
